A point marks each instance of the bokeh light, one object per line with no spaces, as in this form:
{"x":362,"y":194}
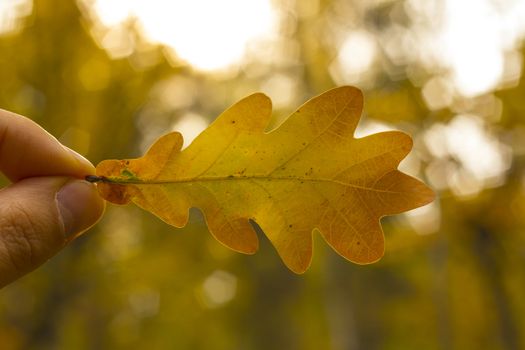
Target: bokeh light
{"x":11,"y":12}
{"x":221,"y":31}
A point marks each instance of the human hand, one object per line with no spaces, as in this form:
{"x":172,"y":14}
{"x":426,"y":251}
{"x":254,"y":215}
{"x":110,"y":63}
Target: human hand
{"x":48,"y":204}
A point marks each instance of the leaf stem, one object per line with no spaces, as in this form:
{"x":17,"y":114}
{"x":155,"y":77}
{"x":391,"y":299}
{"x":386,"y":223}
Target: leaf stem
{"x":94,"y":178}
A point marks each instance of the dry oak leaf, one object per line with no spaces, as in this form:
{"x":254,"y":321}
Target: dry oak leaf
{"x":308,"y":174}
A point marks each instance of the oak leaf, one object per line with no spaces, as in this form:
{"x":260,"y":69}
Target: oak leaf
{"x":308,"y":174}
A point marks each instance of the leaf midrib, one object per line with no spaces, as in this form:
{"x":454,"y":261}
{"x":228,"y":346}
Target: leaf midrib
{"x":244,"y":178}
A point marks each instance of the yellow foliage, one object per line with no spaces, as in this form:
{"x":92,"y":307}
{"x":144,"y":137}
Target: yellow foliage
{"x":309,"y":173}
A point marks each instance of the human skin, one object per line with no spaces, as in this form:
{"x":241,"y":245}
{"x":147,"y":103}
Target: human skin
{"x":47,"y":204}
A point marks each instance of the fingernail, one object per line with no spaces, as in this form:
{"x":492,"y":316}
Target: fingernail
{"x":80,"y":158}
{"x":79,"y":206}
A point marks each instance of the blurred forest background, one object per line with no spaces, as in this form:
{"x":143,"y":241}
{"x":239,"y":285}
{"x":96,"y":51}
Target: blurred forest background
{"x":107,"y":77}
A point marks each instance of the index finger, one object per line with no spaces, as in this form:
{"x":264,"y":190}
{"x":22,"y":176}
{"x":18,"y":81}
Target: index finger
{"x":27,"y":150}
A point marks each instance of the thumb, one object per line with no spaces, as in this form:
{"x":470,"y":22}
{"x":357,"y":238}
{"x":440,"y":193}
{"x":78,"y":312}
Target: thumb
{"x":38,"y":217}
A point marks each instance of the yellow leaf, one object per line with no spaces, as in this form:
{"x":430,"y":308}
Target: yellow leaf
{"x":309,"y":173}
